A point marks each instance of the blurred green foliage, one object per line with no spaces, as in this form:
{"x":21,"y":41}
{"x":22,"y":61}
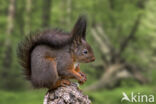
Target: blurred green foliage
{"x":117,"y":18}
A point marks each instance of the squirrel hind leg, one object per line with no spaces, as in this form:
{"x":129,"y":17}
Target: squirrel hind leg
{"x":48,"y":75}
{"x":60,"y":82}
{"x":44,"y":70}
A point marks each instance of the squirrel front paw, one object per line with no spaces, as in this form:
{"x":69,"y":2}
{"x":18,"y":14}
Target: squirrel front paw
{"x":82,"y":79}
{"x":83,"y":75}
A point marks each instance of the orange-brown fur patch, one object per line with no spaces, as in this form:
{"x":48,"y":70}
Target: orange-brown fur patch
{"x":61,"y":82}
{"x":77,"y":69}
{"x":50,"y":58}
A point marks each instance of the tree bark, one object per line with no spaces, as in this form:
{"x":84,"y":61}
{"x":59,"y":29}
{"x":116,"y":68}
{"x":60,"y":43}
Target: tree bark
{"x":66,"y":95}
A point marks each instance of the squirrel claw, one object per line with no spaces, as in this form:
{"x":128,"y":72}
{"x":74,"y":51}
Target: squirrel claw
{"x":83,"y":75}
{"x":82,"y":79}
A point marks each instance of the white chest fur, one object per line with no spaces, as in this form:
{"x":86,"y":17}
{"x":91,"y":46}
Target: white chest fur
{"x":76,"y":64}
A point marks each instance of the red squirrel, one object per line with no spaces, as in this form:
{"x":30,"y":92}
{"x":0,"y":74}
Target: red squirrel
{"x":51,"y":57}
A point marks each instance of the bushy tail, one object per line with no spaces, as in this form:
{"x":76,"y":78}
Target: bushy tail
{"x":52,"y":38}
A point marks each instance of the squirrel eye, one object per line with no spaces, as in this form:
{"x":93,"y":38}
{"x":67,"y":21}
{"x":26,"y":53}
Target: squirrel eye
{"x":85,"y":51}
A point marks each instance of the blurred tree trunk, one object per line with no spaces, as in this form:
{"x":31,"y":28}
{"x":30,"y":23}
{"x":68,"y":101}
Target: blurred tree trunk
{"x":46,"y":10}
{"x":66,"y":6}
{"x":68,"y":20}
{"x":63,"y":7}
{"x":19,"y":20}
{"x":11,"y":16}
{"x":10,"y":27}
{"x":27,"y":17}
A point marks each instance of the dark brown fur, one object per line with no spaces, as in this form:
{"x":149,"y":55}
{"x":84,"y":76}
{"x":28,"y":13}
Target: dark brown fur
{"x":48,"y":57}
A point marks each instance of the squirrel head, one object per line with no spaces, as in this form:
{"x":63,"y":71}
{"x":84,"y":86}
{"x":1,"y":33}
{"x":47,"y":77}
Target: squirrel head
{"x":81,"y":50}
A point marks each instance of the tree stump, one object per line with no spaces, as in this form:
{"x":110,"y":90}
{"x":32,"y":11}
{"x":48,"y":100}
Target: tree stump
{"x":66,"y":95}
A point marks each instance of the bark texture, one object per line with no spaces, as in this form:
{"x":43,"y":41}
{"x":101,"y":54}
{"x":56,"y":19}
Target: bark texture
{"x":66,"y":95}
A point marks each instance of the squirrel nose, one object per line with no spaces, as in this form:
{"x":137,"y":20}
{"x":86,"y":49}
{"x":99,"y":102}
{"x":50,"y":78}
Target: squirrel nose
{"x":93,"y":59}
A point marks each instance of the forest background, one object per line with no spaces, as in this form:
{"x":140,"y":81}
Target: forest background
{"x":121,"y":32}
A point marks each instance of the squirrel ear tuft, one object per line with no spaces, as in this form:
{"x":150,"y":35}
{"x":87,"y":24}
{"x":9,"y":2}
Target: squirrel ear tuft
{"x":79,"y":30}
